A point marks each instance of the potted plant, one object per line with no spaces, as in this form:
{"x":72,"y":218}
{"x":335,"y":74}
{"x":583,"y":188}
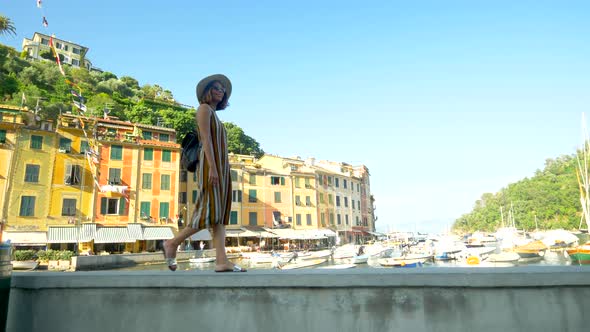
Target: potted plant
{"x":53,"y":259}
{"x":24,"y":260}
{"x":64,"y":257}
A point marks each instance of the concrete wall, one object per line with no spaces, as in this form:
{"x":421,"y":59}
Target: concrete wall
{"x":100,"y":262}
{"x":427,"y":299}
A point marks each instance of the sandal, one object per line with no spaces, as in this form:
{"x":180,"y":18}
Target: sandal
{"x":171,"y":262}
{"x":236,"y":268}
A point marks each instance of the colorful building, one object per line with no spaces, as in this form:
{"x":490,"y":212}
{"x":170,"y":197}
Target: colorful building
{"x":70,"y":53}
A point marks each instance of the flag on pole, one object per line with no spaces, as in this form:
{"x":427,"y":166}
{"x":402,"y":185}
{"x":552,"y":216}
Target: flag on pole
{"x":38,"y":3}
{"x":56,"y":55}
{"x":23,"y":100}
{"x":80,"y":106}
{"x":45,"y":24}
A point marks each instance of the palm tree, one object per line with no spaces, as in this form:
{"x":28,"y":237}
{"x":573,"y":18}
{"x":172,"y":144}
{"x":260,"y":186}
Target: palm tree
{"x":6,"y":26}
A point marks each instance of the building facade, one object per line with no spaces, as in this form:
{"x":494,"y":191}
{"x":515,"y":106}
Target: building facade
{"x":70,"y":53}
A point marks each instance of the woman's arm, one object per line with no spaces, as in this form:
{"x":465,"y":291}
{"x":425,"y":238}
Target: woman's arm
{"x":204,"y":124}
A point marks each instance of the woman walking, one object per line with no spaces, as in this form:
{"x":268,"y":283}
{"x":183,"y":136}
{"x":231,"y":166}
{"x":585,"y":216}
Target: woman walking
{"x":213,"y":204}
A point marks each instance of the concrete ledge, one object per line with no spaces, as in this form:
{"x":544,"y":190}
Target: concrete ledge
{"x":552,"y":298}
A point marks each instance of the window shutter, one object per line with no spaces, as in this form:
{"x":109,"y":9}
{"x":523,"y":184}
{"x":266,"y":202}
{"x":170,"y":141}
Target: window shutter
{"x":103,"y":205}
{"x":122,"y":206}
{"x":282,"y":181}
{"x":68,"y":174}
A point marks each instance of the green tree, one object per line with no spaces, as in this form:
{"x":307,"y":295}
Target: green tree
{"x":6,"y":26}
{"x":240,"y":143}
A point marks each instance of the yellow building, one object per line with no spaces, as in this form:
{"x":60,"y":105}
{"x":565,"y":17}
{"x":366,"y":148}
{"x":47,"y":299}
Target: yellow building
{"x":72,"y":187}
{"x":70,"y":53}
{"x":29,"y":187}
{"x":11,"y":121}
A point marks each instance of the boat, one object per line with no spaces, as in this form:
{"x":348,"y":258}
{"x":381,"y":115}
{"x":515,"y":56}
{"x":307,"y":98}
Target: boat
{"x":503,"y":257}
{"x":362,"y":259}
{"x":24,"y":265}
{"x":338,"y":267}
{"x":580,"y":254}
{"x":302,"y":264}
{"x":316,"y":254}
{"x":201,"y":260}
{"x":535,"y":249}
{"x":396,"y":262}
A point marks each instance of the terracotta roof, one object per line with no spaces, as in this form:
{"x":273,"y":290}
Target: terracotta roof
{"x":158,"y":143}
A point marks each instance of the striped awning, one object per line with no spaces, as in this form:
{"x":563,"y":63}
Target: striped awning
{"x":135,"y":232}
{"x":25,"y":238}
{"x":63,"y":235}
{"x":87,"y":233}
{"x":157,"y":233}
{"x":112,"y":235}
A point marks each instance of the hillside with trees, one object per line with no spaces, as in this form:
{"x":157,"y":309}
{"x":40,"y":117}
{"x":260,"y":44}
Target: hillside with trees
{"x":45,"y":89}
{"x":548,"y":200}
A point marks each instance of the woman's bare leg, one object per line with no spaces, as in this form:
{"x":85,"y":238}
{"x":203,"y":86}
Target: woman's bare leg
{"x":222,"y":263}
{"x":171,"y":245}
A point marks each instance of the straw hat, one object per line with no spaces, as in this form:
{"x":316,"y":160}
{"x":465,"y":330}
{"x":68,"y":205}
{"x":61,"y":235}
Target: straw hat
{"x":217,"y":77}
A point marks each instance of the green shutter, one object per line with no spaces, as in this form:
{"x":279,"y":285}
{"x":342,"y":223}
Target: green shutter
{"x":103,"y":205}
{"x":147,"y":135}
{"x":164,"y":210}
{"x":282,"y":181}
{"x":83,"y":146}
{"x":233,"y":218}
{"x":145,"y":209}
{"x":116,"y":152}
{"x":146,"y":181}
{"x":36,"y":142}
{"x":165,"y":182}
{"x":148,"y":154}
{"x":166,"y":155}
{"x":2,"y":136}
{"x":194,"y":196}
{"x":122,"y":206}
{"x":277,"y":196}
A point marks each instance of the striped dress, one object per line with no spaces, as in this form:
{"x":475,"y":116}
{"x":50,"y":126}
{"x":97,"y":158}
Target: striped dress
{"x":213,"y":203}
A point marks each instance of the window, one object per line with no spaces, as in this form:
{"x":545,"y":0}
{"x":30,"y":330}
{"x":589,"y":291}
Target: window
{"x":307,"y":183}
{"x":32,"y":173}
{"x":336,"y":182}
{"x":358,"y":187}
{"x":27,"y":206}
{"x":2,"y":136}
{"x":297,"y":182}
{"x":195,"y":177}
{"x":253,"y":179}
{"x":331,"y":219}
{"x":298,"y":219}
{"x":358,"y":222}
{"x":145,"y":209}
{"x":277,"y":196}
{"x":66,"y":48}
{"x":338,"y":217}
{"x":114,"y":176}
{"x":308,"y":219}
{"x":166,"y":155}
{"x":165,"y":182}
{"x":65,"y":145}
{"x":112,"y":206}
{"x":183,"y":176}
{"x":75,"y":62}
{"x":330,"y":200}
{"x":182,"y":197}
{"x":298,"y":200}
{"x":346,"y":218}
{"x":352,"y":203}
{"x":44,"y":41}
{"x":73,"y":174}
{"x":148,"y":154}
{"x":233,"y":218}
{"x":236,"y":196}
{"x":164,"y":210}
{"x":36,"y":142}
{"x":359,"y":204}
{"x":344,"y":183}
{"x":252,"y":196}
{"x":321,"y":198}
{"x":234,"y":175}
{"x":323,"y":219}
{"x":253,"y":218}
{"x":84,"y":147}
{"x":194,"y":198}
{"x":276,"y":217}
{"x":337,"y":200}
{"x":116,"y":152}
{"x":147,"y":135}
{"x":146,"y":181}
{"x":345,"y":201}
{"x":164,"y":137}
{"x":75,"y":50}
{"x":68,"y":207}
{"x":307,"y":200}
{"x":277,"y":180}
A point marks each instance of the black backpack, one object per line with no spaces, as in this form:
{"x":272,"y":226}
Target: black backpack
{"x":191,"y":150}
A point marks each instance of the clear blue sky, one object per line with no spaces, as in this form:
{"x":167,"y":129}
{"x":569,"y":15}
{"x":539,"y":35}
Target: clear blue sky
{"x":442,"y":100}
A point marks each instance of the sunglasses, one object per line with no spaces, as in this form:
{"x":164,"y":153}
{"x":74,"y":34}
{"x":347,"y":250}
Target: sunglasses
{"x":219,"y":89}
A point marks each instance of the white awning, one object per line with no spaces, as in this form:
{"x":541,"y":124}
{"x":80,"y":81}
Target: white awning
{"x":233,"y":232}
{"x":63,"y":234}
{"x":284,"y":233}
{"x":25,"y":238}
{"x":87,"y":233}
{"x":248,"y":233}
{"x":202,"y":235}
{"x":328,"y":232}
{"x":157,"y":233}
{"x":135,"y":232}
{"x":111,"y":235}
